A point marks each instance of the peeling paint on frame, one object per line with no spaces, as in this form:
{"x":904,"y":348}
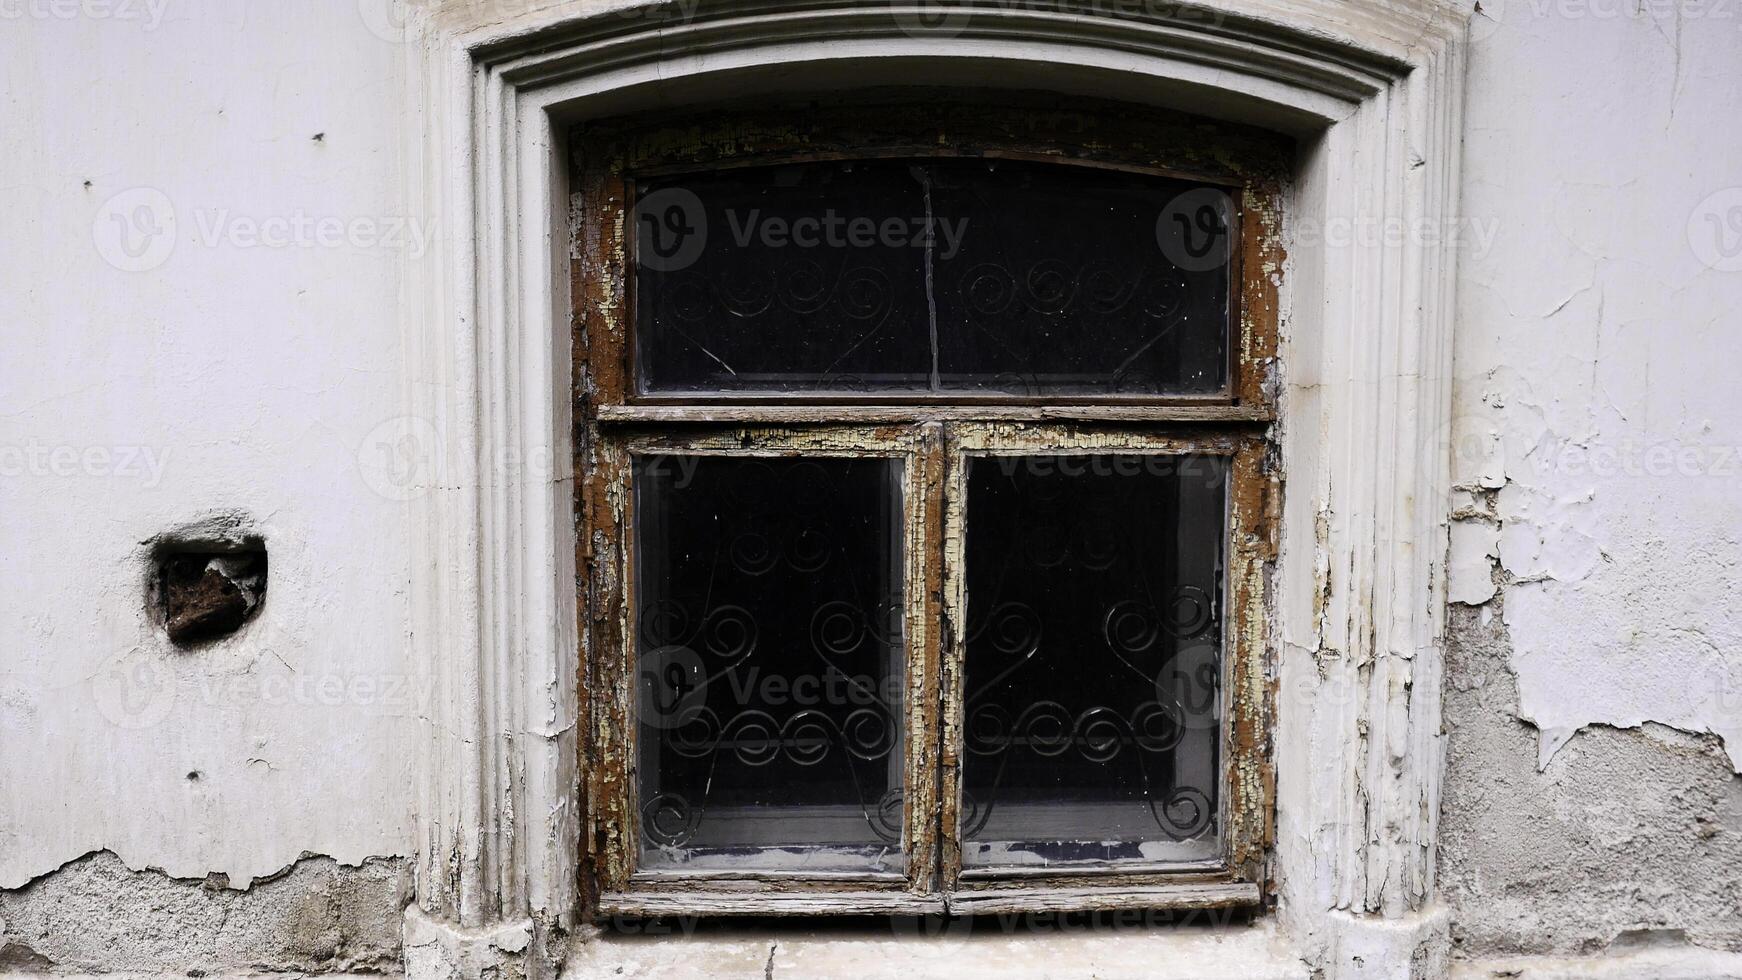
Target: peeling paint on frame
{"x":933,"y":436}
{"x":1247,"y":800}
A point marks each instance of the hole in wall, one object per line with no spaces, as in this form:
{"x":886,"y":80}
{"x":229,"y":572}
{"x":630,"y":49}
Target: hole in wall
{"x":206,"y":587}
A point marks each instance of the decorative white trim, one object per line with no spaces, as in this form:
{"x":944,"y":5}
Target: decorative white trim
{"x":1375,"y":94}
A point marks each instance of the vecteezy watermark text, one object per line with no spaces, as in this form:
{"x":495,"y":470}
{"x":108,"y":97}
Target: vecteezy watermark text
{"x":405,"y":457}
{"x":1632,"y":458}
{"x":298,"y":229}
{"x":135,"y":230}
{"x":672,"y":229}
{"x":147,"y":12}
{"x":142,"y":463}
{"x":832,"y":230}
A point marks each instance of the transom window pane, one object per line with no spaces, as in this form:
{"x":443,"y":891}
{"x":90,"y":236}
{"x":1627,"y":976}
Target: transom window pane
{"x":927,"y":277}
{"x":1092,"y":659}
{"x":769,"y":662}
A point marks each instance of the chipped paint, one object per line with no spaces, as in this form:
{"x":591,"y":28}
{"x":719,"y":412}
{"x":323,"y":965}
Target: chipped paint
{"x":1595,"y":393}
{"x":934,"y":440}
{"x":1611,"y":623}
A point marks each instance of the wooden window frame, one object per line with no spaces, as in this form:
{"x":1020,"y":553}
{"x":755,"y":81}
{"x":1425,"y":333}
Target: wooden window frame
{"x":935,"y":435}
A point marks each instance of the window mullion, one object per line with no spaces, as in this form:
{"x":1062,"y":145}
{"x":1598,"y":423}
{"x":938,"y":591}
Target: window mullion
{"x":925,"y":648}
{"x":953,"y":596}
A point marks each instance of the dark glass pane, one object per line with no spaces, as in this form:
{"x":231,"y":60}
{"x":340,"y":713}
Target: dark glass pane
{"x":1061,"y":285}
{"x":769,"y":662}
{"x":1092,"y":658}
{"x":941,"y":276}
{"x":778,"y":279}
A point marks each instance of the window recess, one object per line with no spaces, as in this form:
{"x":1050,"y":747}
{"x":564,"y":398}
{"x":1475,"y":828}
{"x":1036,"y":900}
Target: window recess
{"x":923,"y":474}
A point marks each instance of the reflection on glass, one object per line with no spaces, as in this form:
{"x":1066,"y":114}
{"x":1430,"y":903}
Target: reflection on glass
{"x":769,"y":662}
{"x":931,"y":276}
{"x":1092,"y":659}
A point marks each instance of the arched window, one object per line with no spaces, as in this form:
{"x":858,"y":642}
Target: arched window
{"x":925,"y":506}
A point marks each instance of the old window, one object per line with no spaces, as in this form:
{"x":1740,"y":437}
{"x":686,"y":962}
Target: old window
{"x":922,"y":462}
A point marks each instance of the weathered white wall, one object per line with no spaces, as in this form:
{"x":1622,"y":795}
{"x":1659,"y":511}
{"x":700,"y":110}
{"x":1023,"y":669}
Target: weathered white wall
{"x":236,"y":361}
{"x":1596,"y":357}
{"x":1600,"y":445}
{"x":245,"y":359}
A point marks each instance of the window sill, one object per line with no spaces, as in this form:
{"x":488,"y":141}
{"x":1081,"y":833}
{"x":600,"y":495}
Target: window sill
{"x":926,"y":948}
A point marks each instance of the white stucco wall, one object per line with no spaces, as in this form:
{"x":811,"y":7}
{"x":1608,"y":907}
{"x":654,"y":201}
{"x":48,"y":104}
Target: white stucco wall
{"x":234,"y":361}
{"x":211,"y":325}
{"x":1596,"y":353}
{"x":1598,"y":437}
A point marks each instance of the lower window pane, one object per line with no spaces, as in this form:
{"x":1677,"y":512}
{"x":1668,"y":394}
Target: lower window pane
{"x":769,"y":662}
{"x":1091,"y":709}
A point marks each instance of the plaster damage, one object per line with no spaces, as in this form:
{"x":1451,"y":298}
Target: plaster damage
{"x":95,"y":914}
{"x":1597,"y":445}
{"x":170,"y":362}
{"x":1593,"y":552}
{"x":254,"y":378}
{"x":1628,"y":841}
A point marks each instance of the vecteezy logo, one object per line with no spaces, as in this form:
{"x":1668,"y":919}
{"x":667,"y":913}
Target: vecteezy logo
{"x":671,"y":227}
{"x":932,"y":926}
{"x":1715,"y":230}
{"x":401,"y":457}
{"x":1193,"y":229}
{"x":672,"y":685}
{"x":133,"y":689}
{"x":134,"y":231}
{"x":930,"y":18}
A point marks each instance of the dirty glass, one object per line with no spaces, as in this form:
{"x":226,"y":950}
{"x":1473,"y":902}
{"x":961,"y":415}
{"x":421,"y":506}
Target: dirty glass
{"x":1094,"y":612}
{"x":940,"y":277}
{"x":769,"y":639}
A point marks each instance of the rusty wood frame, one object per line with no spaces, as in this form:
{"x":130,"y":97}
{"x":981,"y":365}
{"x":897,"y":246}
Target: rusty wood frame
{"x":1246,"y":800}
{"x":810,"y":415}
{"x":1249,"y":164}
{"x":932,"y":434}
{"x":610,"y":666}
